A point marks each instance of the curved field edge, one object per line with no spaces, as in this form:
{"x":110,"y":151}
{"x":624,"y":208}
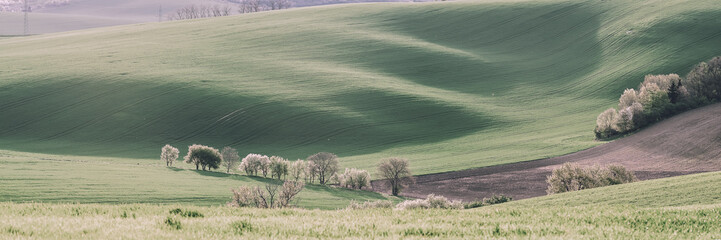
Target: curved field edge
{"x":450,"y":86}
{"x":679,"y":207}
{"x":30,"y":177}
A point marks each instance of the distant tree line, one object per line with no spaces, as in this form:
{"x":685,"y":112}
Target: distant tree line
{"x":200,"y":11}
{"x":661,"y":96}
{"x":244,"y":6}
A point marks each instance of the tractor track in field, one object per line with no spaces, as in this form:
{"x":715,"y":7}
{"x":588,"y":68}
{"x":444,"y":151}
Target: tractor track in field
{"x":684,"y":144}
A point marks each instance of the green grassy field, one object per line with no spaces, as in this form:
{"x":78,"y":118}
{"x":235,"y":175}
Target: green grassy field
{"x":687,"y":207}
{"x":451,"y":85}
{"x":28,"y":177}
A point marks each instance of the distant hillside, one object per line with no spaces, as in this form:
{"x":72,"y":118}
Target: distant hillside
{"x":449,"y":85}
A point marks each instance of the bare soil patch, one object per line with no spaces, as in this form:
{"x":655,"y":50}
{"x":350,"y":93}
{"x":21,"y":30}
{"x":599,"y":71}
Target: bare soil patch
{"x":684,"y":144}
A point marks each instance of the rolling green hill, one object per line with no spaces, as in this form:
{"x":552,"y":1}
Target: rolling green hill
{"x":450,"y":85}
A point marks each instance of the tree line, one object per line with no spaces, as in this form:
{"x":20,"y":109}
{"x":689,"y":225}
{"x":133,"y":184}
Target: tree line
{"x":322,"y":167}
{"x":244,"y":6}
{"x":661,"y":96}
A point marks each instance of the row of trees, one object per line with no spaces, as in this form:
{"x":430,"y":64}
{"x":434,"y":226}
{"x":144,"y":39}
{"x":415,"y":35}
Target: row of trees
{"x":244,"y":6}
{"x":661,"y":96}
{"x":200,"y":11}
{"x":250,"y":6}
{"x":322,"y":166}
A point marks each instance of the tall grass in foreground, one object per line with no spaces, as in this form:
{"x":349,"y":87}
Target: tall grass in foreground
{"x":155,"y":222}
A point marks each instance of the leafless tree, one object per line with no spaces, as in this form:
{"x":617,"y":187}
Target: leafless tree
{"x":326,"y":165}
{"x":398,"y":173}
{"x":200,"y":11}
{"x":288,"y":192}
{"x":250,"y":6}
{"x":230,"y":158}
{"x":278,"y":4}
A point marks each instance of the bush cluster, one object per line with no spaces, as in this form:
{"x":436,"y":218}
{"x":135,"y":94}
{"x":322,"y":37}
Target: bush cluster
{"x":279,"y":167}
{"x":571,"y":177}
{"x":186,"y":213}
{"x":431,"y":201}
{"x":661,"y":96}
{"x":370,"y":204}
{"x":495,"y":199}
{"x":268,"y":196}
{"x":353,"y":178}
{"x":203,"y":156}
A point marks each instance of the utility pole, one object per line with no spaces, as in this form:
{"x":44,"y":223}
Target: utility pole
{"x":160,"y":13}
{"x":26,"y":27}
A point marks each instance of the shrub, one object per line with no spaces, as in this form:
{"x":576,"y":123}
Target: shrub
{"x":241,"y":227}
{"x":617,"y":174}
{"x":353,"y":178}
{"x":628,"y":98}
{"x":288,"y":192}
{"x":252,"y":163}
{"x":204,"y":156}
{"x":278,"y":167}
{"x":169,"y":154}
{"x":704,"y":81}
{"x":657,"y":106}
{"x":413,"y":204}
{"x":606,"y":123}
{"x":187,"y":213}
{"x":267,"y":196}
{"x":369,"y":204}
{"x":571,"y":177}
{"x":475,"y":204}
{"x":431,"y":201}
{"x":244,"y":197}
{"x":176,"y":211}
{"x":397,"y":172}
{"x":496,"y":199}
{"x":326,"y":165}
{"x":173,"y":224}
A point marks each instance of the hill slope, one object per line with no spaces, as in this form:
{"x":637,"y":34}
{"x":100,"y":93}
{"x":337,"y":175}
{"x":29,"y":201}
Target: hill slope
{"x":684,"y":144}
{"x":448,"y":85}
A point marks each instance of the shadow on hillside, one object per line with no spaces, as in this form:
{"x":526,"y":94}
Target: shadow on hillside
{"x":236,"y":176}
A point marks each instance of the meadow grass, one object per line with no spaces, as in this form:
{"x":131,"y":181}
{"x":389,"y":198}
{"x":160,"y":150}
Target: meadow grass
{"x":696,"y":215}
{"x":29,"y":177}
{"x":450,"y":86}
